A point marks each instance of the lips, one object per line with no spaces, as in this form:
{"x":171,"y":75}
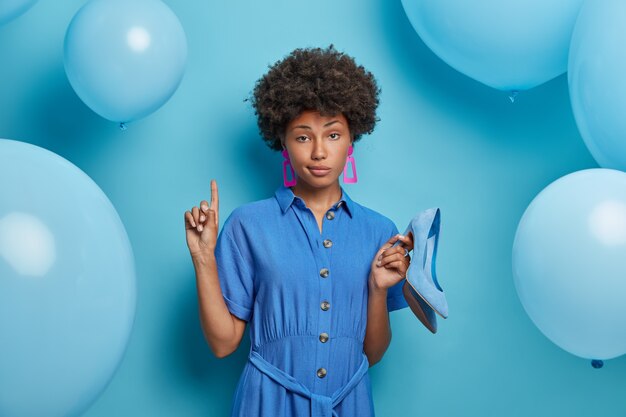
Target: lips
{"x":319,"y":171}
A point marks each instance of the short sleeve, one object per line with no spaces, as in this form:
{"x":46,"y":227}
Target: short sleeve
{"x":395,"y":297}
{"x":235,"y":274}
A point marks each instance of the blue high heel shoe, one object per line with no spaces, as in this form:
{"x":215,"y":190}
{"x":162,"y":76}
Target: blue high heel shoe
{"x":421,"y":289}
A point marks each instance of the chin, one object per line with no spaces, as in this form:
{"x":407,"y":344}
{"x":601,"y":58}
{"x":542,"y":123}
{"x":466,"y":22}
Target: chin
{"x":322,"y":182}
{"x":317,"y":182}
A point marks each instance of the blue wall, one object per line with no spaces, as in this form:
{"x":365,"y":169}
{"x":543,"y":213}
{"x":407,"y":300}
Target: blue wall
{"x":443,"y":140}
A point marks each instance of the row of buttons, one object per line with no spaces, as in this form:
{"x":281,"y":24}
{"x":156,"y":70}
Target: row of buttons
{"x":325,"y":305}
{"x":321,"y":373}
{"x":327,"y":242}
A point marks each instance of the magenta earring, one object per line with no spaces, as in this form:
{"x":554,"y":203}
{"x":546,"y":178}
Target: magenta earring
{"x":287,"y":162}
{"x":349,"y":160}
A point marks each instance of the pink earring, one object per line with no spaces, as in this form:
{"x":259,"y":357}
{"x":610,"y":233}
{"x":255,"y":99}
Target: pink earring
{"x":287,"y":162}
{"x":350,"y":158}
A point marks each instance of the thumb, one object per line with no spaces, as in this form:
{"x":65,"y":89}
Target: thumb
{"x":391,"y":242}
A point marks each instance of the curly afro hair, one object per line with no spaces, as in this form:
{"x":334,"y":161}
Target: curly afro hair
{"x":325,"y":80}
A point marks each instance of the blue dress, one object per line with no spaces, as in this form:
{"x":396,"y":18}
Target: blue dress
{"x":305,"y":295}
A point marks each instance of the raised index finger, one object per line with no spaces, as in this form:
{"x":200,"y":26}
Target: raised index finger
{"x":215,"y":201}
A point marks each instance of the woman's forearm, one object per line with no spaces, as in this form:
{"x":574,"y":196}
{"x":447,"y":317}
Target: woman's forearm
{"x":378,"y":330}
{"x":217,"y":323}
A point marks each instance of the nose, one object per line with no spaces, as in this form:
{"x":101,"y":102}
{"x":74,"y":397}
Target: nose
{"x":319,"y":150}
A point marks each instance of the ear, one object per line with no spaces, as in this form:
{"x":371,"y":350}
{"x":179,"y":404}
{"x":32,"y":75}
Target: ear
{"x":281,"y":138}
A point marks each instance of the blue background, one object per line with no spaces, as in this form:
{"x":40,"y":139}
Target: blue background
{"x":443,"y":140}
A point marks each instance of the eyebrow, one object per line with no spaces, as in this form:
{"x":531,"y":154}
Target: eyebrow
{"x":309,"y":127}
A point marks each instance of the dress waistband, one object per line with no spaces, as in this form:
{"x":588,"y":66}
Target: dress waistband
{"x":321,"y":405}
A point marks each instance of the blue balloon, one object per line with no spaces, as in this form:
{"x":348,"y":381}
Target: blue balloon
{"x":569,"y":264}
{"x":67,"y":285}
{"x":10,"y":9}
{"x":508,"y":45}
{"x":125,"y":58}
{"x":597,"y":86}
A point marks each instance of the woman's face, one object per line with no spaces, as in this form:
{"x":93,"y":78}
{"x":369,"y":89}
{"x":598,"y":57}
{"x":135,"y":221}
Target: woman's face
{"x":313,"y":140}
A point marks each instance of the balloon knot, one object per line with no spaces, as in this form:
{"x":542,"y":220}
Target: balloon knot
{"x":597,"y":363}
{"x":512,"y":95}
{"x":123,"y":126}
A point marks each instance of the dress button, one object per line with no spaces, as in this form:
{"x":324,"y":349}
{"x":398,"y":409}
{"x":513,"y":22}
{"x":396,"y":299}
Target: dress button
{"x":325,"y":305}
{"x":324,"y":272}
{"x":324,"y":337}
{"x":330,"y":215}
{"x":328,"y":243}
{"x":321,"y":373}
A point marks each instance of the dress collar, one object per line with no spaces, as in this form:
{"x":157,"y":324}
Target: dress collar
{"x":286,"y":197}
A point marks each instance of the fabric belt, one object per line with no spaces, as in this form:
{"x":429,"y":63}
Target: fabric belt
{"x":321,"y":405}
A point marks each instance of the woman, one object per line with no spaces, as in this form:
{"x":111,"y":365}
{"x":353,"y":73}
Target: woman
{"x":312,"y":271}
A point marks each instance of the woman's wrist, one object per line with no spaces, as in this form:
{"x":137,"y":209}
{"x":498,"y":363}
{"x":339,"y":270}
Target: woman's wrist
{"x":374,"y":288}
{"x":202,"y":259}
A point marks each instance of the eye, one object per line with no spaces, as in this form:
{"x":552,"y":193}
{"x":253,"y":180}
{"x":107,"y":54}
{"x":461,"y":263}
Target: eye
{"x":301,"y":137}
{"x":336,"y":136}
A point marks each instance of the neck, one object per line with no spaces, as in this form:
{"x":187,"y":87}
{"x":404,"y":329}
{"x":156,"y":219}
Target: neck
{"x":318,"y":199}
